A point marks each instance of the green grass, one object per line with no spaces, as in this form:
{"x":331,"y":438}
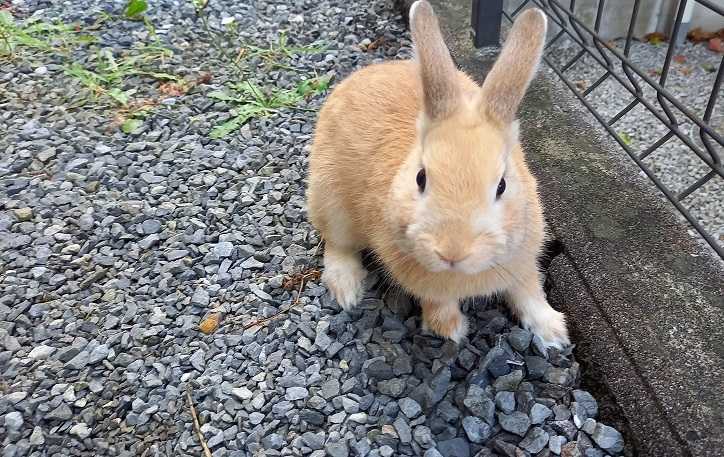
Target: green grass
{"x":134,"y":9}
{"x":252,"y":101}
{"x":274,"y":55}
{"x":38,"y":37}
{"x":625,"y":138}
{"x":108,"y":76}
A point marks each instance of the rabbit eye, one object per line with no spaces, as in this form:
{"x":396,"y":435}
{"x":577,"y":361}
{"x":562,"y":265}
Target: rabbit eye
{"x":501,"y":188}
{"x":421,"y":180}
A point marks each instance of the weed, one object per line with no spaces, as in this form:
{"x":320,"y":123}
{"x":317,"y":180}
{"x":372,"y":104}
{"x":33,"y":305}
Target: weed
{"x":130,"y":117}
{"x":274,"y":54}
{"x":38,"y":36}
{"x":109,"y":75}
{"x":253,"y":102}
{"x":199,"y":5}
{"x":627,"y":140}
{"x":135,"y":9}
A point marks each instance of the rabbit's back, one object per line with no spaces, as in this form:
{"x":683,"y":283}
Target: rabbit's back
{"x":364,"y":133}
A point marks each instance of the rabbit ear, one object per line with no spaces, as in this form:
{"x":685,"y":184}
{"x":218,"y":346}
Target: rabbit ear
{"x":505,"y":85}
{"x":439,"y":75}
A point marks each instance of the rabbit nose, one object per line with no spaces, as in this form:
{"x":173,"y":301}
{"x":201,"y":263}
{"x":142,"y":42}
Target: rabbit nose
{"x":451,"y":258}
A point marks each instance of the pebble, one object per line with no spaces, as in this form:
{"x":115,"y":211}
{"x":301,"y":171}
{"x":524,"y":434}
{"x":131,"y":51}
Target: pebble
{"x":571,"y":450}
{"x":252,"y":264}
{"x":477,"y":402}
{"x":608,"y":438}
{"x":404,"y":432}
{"x":151,"y":226}
{"x":330,"y":388}
{"x":360,"y":418}
{"x":409,"y":407}
{"x":539,"y":413}
{"x":23,"y":214}
{"x":36,"y":437}
{"x":589,"y":426}
{"x":121,"y":244}
{"x":555,"y":443}
{"x":242,"y":393}
{"x":224,"y":249}
{"x":273,"y":441}
{"x":98,"y":354}
{"x":197,"y":360}
{"x":432,"y":453}
{"x":519,"y":339}
{"x":456,"y":447}
{"x":314,"y":441}
{"x":14,"y":421}
{"x":535,"y":440}
{"x":505,"y":401}
{"x":81,"y":430}
{"x":558,"y":376}
{"x":337,"y":450}
{"x":296,"y":393}
{"x":423,"y":437}
{"x":79,"y":361}
{"x":515,"y":422}
{"x":393,"y":387}
{"x":476,"y":430}
{"x":586,"y":400}
{"x":509,"y":382}
{"x":41,"y":352}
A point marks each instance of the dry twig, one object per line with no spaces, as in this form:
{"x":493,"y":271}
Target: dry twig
{"x":197,"y":426}
{"x":301,"y":278}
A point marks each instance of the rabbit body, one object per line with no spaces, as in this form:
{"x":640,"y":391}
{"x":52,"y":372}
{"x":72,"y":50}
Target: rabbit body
{"x":409,"y":159}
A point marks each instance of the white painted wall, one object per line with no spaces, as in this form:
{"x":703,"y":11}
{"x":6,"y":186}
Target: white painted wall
{"x":654,"y":16}
{"x":706,"y":19}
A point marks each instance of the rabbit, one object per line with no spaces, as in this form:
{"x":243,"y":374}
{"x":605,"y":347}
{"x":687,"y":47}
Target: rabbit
{"x":415,"y":161}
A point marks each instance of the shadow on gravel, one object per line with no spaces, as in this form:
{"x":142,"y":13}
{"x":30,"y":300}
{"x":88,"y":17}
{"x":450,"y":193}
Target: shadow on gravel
{"x":499,"y":393}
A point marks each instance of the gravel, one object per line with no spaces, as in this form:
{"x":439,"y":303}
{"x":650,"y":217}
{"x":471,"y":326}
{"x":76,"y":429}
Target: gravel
{"x":119,"y":248}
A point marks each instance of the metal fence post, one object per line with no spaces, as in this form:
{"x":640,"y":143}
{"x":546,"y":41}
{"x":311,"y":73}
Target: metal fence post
{"x":485,"y":20}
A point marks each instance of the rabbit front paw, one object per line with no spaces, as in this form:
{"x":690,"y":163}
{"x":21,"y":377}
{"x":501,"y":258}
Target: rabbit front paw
{"x":445,"y":320}
{"x":548,"y":324}
{"x":344,"y":277}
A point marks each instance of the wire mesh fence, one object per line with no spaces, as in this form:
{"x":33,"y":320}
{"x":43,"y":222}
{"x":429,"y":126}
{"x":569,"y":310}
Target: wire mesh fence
{"x":655,"y":93}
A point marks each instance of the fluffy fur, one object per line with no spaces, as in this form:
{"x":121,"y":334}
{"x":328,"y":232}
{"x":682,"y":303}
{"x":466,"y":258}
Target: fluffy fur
{"x":455,"y":239}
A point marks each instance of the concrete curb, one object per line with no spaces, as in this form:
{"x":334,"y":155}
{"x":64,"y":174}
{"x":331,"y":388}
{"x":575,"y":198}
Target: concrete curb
{"x":644,"y":300}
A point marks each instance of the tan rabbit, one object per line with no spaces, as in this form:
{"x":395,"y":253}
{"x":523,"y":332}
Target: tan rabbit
{"x":417,"y":162}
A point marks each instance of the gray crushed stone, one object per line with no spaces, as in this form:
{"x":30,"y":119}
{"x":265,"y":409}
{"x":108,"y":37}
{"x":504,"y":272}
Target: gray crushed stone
{"x":116,"y":247}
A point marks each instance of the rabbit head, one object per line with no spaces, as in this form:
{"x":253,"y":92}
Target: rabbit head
{"x":459,"y":201}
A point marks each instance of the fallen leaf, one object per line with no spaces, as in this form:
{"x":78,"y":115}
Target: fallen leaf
{"x":204,"y":78}
{"x":173,"y":89}
{"x":655,"y":38}
{"x":131,"y":125}
{"x":679,"y":58}
{"x":716,"y":45}
{"x":582,"y":84}
{"x":296,"y":279}
{"x":376,"y":44}
{"x":686,"y":71}
{"x":210,"y":323}
{"x":697,"y":35}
